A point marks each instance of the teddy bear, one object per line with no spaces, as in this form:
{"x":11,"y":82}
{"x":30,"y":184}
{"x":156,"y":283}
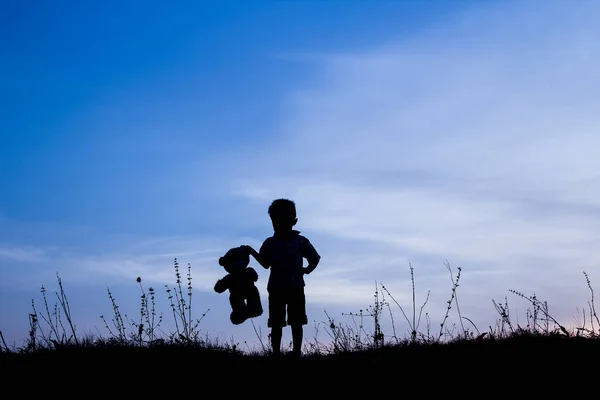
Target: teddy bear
{"x":244,"y":296}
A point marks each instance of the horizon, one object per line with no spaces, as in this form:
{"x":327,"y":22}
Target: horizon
{"x":407,"y":133}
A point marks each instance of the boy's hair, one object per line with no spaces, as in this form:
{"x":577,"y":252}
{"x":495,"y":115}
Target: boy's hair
{"x":282,"y":208}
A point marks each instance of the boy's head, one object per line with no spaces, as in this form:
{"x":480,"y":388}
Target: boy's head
{"x":283,"y":215}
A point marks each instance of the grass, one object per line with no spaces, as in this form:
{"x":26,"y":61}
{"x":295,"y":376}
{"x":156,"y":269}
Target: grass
{"x":140,"y":342}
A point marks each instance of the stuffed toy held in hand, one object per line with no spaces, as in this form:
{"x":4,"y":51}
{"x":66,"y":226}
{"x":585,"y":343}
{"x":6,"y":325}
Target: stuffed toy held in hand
{"x":243,"y":294}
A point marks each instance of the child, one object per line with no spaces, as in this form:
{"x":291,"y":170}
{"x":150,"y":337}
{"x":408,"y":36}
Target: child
{"x":284,"y":253}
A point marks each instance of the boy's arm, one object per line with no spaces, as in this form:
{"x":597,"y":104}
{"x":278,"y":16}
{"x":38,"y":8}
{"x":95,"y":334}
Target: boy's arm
{"x":311,"y":256}
{"x":311,"y":266}
{"x":261,"y":260}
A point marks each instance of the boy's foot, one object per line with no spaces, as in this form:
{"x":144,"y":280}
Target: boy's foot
{"x":295,"y":354}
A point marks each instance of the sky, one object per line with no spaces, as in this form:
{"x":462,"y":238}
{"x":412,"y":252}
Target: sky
{"x":408,"y":133}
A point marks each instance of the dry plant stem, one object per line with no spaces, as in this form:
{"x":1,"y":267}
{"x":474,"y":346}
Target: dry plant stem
{"x":344,"y":338}
{"x":189,"y":288}
{"x":376,"y":311}
{"x":147,"y":324}
{"x":455,"y":285}
{"x":413,"y":328}
{"x":152,"y":323}
{"x":117,"y":320}
{"x":33,"y":325}
{"x":535,"y":302}
{"x":64,"y":303}
{"x":412,"y":280}
{"x":3,"y":343}
{"x":170,"y":297}
{"x":143,"y":312}
{"x":472,"y":323}
{"x":259,"y":336}
{"x":591,"y":303}
{"x":581,"y":326}
{"x":179,"y":307}
{"x":48,"y":319}
{"x":504,"y":312}
{"x":392,"y":321}
{"x":452,"y":298}
{"x":180,"y":301}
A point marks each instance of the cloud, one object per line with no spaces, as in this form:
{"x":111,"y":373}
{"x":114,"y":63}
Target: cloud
{"x":22,"y":254}
{"x":120,"y":260}
{"x":472,"y":142}
{"x":154,"y":261}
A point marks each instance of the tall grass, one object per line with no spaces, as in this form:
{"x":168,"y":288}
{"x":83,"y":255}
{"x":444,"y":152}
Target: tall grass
{"x":53,"y":327}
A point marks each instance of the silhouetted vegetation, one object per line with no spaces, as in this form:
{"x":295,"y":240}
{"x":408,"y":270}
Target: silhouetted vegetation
{"x":53,"y":339}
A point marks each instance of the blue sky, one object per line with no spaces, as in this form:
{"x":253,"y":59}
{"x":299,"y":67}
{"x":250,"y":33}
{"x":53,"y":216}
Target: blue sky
{"x":407,"y":132}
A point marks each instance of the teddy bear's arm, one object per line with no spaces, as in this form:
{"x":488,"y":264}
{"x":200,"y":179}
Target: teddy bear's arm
{"x":222,"y":285}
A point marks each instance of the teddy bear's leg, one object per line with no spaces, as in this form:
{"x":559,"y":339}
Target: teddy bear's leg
{"x":254,"y":305}
{"x":238,"y":309}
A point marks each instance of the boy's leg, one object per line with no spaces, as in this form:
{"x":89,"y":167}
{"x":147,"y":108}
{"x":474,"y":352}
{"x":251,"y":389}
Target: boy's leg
{"x":297,"y":318}
{"x":276,"y":319}
{"x":297,"y":336}
{"x":276,"y":334}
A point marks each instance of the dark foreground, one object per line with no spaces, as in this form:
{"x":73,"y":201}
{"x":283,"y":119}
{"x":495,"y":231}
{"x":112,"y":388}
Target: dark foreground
{"x":541,"y":353}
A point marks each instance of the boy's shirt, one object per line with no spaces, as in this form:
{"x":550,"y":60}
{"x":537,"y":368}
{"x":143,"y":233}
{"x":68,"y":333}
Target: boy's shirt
{"x":285,"y":257}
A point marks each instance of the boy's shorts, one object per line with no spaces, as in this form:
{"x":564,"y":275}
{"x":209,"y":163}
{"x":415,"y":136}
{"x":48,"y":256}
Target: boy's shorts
{"x":290,"y":301}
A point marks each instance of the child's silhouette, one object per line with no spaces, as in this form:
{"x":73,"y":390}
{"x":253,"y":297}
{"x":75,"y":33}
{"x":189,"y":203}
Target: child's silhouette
{"x":283,"y":253}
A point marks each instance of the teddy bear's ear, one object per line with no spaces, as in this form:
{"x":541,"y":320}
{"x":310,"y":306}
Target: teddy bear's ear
{"x":222,"y":261}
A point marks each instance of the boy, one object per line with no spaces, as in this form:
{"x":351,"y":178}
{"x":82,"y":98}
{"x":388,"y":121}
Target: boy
{"x":284,"y":253}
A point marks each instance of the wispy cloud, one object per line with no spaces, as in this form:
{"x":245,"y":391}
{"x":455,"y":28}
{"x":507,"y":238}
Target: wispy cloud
{"x":151,"y":259}
{"x":473,"y":142}
{"x":22,"y":254}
